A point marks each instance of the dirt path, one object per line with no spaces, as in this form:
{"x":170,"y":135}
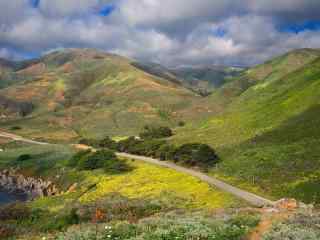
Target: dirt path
{"x":251,"y":198}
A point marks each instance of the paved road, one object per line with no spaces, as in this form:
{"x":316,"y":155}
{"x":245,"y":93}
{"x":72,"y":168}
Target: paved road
{"x":247,"y":196}
{"x":20,"y":139}
{"x":251,"y":198}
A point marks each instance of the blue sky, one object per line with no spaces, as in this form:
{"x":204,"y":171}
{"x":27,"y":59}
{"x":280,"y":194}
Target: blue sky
{"x":170,"y":32}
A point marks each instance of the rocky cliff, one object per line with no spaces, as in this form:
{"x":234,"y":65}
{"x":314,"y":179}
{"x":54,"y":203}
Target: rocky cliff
{"x":14,"y":182}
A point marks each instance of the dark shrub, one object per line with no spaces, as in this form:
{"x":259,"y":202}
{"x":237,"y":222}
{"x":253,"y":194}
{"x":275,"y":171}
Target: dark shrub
{"x":181,"y":123}
{"x":166,"y":152}
{"x":107,"y":142}
{"x":151,"y":132}
{"x":115,"y":166}
{"x":128,"y":145}
{"x":61,"y":222}
{"x":148,"y":147}
{"x":96,"y":160}
{"x":14,"y":128}
{"x":76,"y":158}
{"x":23,"y":157}
{"x":89,"y":142}
{"x":196,"y":154}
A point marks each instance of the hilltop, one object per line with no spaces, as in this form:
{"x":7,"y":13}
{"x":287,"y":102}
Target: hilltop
{"x":267,"y":134}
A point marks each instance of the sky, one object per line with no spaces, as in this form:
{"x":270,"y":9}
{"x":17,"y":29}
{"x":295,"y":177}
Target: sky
{"x":169,"y":32}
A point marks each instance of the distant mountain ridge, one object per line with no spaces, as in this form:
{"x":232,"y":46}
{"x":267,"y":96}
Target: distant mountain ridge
{"x":203,"y":79}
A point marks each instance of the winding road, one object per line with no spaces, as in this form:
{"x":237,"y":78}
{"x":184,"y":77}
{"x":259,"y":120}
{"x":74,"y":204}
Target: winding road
{"x":251,"y":198}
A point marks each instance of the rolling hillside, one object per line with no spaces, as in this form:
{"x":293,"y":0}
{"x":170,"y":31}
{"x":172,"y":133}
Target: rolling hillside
{"x":268,"y":136}
{"x":89,"y":93}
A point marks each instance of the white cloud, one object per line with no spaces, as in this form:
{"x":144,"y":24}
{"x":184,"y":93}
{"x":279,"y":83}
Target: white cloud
{"x":167,"y":31}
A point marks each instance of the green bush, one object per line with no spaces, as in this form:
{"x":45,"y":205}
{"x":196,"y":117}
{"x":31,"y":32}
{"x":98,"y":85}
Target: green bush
{"x":61,"y":222}
{"x":23,"y":157}
{"x":196,"y":154}
{"x":90,"y":142}
{"x":147,"y":147}
{"x":181,"y":123}
{"x":106,"y":159}
{"x":128,"y":145}
{"x":107,"y":142}
{"x":96,"y":160}
{"x":76,"y":158}
{"x":151,"y":132}
{"x":166,"y":152}
{"x":15,"y":128}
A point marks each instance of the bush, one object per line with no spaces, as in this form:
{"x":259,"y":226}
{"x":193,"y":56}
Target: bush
{"x":115,"y":166}
{"x":128,"y":145}
{"x":15,"y":128}
{"x":107,"y":142}
{"x":196,"y":154}
{"x":151,"y":132}
{"x":181,"y":123}
{"x":148,"y":147}
{"x":106,"y":159}
{"x":89,"y":142}
{"x":96,"y":160}
{"x":166,"y":152}
{"x":23,"y":157}
{"x":61,"y":222}
{"x":76,"y":158}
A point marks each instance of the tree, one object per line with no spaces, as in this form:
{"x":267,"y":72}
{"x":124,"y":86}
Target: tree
{"x":152,"y":131}
{"x":196,"y":154}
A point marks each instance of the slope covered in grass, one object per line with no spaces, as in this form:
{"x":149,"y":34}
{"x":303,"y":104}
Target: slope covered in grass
{"x":267,"y":135}
{"x":125,"y":197}
{"x":89,"y":93}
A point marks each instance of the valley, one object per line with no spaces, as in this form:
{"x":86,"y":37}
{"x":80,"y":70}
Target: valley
{"x":248,"y":142}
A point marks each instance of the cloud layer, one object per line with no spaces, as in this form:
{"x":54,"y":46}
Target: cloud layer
{"x":171,"y":32}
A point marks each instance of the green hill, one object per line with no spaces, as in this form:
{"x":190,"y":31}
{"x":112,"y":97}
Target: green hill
{"x":267,"y":136}
{"x":89,"y":93}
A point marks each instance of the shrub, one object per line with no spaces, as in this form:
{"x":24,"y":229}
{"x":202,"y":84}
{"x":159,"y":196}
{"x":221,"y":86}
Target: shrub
{"x":181,"y":123}
{"x":89,"y":142}
{"x":115,"y":166}
{"x":166,"y":152}
{"x":107,"y":142}
{"x":23,"y":157}
{"x":61,"y":222}
{"x":14,"y":128}
{"x":96,"y":160}
{"x":128,"y":145}
{"x":148,"y":147}
{"x":196,"y":154}
{"x":76,"y":158}
{"x":151,"y":132}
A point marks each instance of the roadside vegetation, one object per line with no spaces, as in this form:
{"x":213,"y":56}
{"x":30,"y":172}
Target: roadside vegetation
{"x":99,"y":189}
{"x":152,"y":143}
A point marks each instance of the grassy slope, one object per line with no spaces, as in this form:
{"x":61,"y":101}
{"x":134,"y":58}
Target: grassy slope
{"x":87,"y":93}
{"x":144,"y":181}
{"x":254,"y":134}
{"x":147,"y":190}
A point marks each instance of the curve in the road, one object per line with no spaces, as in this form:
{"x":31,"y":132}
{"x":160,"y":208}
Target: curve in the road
{"x":251,"y":198}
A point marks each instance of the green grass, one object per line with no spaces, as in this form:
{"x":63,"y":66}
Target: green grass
{"x":268,"y":136}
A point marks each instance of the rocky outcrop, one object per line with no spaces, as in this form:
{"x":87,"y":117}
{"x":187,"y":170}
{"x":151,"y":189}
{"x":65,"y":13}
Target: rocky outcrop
{"x":14,"y":182}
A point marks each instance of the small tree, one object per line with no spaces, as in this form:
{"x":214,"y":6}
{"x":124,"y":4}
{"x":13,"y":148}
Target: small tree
{"x":151,"y":131}
{"x":196,"y":154}
{"x":107,"y":142}
{"x":96,"y":160}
